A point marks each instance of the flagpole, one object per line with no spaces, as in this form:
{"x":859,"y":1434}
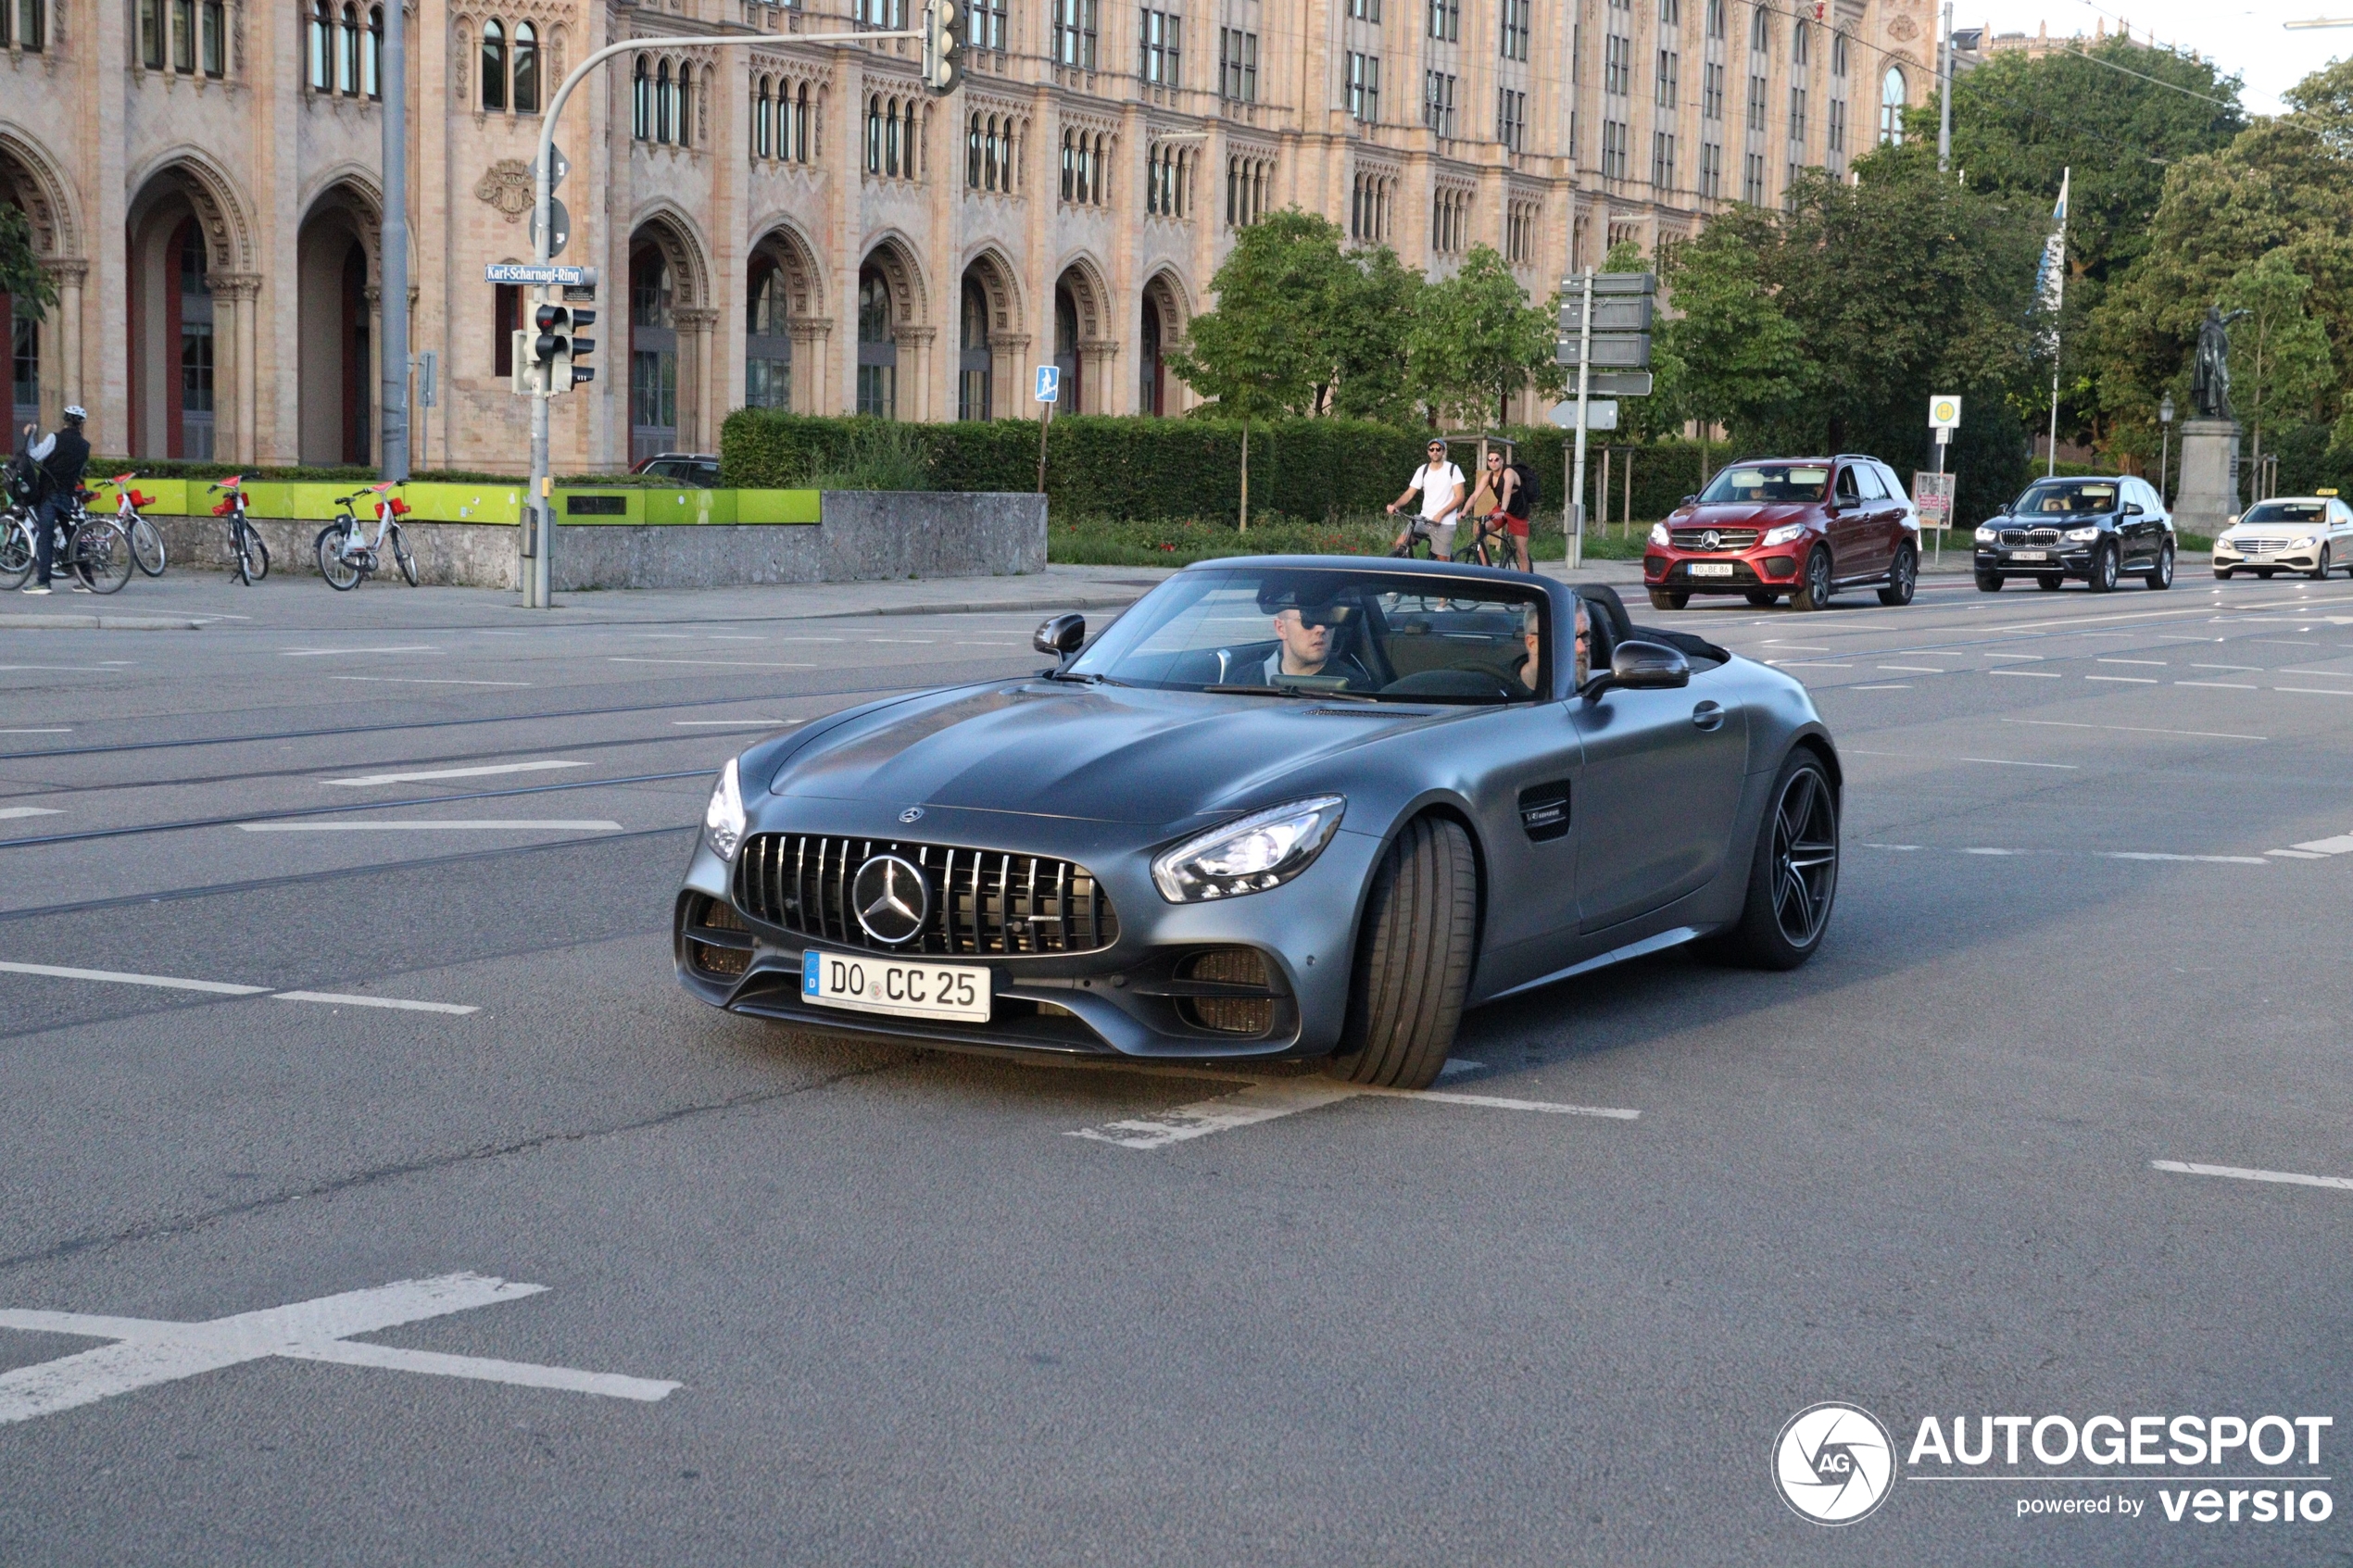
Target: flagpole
{"x":2054,"y":290}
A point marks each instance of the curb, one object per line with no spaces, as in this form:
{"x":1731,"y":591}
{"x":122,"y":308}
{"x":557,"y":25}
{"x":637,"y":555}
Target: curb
{"x":97,"y":624}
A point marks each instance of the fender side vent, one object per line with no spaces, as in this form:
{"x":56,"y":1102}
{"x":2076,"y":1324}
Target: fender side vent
{"x":1544,"y":811}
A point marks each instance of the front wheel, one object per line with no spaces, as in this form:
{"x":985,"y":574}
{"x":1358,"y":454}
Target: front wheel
{"x":1662,"y":598}
{"x":1989,"y":582}
{"x":2321,"y":567}
{"x":1763,"y":600}
{"x":342,"y":574}
{"x":408,"y":562}
{"x":1902,"y":578}
{"x":1413,"y":960}
{"x":102,"y":555}
{"x":253,"y":556}
{"x":146,"y":546}
{"x":2161,"y":575}
{"x":1813,"y":593}
{"x":2050,"y":583}
{"x":2222,"y":575}
{"x":16,"y":552}
{"x":1793,"y":875}
{"x":2103,"y":574}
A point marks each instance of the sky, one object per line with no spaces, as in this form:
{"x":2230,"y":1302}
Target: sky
{"x":2244,"y":36}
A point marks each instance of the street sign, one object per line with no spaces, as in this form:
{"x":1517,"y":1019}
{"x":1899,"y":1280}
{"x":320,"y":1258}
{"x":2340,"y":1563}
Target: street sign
{"x":1618,"y":383}
{"x":1943,"y":413}
{"x":1617,"y":351}
{"x":1612,"y":313}
{"x":428,"y":379}
{"x":560,"y":226}
{"x":1932,"y":493}
{"x":532,"y":272}
{"x":1600,"y":414}
{"x":563,"y":167}
{"x":1049,"y":382}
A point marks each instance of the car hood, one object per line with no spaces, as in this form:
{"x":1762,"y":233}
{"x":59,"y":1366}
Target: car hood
{"x":1094,"y":753}
{"x":1732,"y":514}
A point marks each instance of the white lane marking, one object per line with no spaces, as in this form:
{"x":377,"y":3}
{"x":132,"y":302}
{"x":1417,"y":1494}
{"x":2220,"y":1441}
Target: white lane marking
{"x":2256,"y":667}
{"x":2296,"y":853}
{"x":730,"y":723}
{"x":2125,"y":679}
{"x":2110,"y":854}
{"x":152,"y":1350}
{"x":2202,"y":860}
{"x":2340,"y":845}
{"x":2312,"y":691}
{"x":30,"y":811}
{"x":59,"y":730}
{"x":328,"y":653}
{"x":732,"y":637}
{"x":223,"y":988}
{"x":1995,"y":762}
{"x":1501,"y":1102}
{"x":1806,"y":664}
{"x":2331,"y":674}
{"x":1267,"y":1102}
{"x":117,"y":977}
{"x":2220,"y":685}
{"x":1800,"y":648}
{"x":539,"y":767}
{"x":1898,"y":846}
{"x":398,"y":1004}
{"x":2238,"y":1173}
{"x":2034,"y":658}
{"x":730,"y":663}
{"x":2039,"y":674}
{"x":85,"y":668}
{"x":479,"y":824}
{"x":2104,"y":659}
{"x":2135,"y":729}
{"x":1916,"y":669}
{"x":1890,"y":687}
{"x":1984,"y":851}
{"x":925,"y":640}
{"x":420,"y":681}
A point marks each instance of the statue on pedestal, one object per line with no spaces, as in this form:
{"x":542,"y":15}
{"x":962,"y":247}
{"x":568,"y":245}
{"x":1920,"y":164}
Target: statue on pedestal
{"x":2210,"y":377}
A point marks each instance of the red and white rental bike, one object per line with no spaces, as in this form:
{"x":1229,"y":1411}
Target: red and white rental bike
{"x":346,"y":556}
{"x":248,"y":556}
{"x":146,"y":544}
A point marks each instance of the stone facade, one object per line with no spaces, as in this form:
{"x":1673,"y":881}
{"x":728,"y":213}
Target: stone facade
{"x":802,"y":224}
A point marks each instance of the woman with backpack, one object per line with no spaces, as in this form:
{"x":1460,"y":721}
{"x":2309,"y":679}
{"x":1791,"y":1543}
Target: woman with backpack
{"x":1510,"y":492}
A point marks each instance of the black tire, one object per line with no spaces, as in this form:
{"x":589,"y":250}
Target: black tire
{"x":1793,"y":871}
{"x":1989,"y":582}
{"x":2102,"y":579}
{"x":2265,"y":572}
{"x":1413,"y":959}
{"x":341,"y":575}
{"x":2320,"y":568}
{"x":2161,"y":576}
{"x":16,"y":552}
{"x":1662,"y":598}
{"x":252,"y":555}
{"x":2222,"y":573}
{"x":1763,"y":600}
{"x":1814,"y":590}
{"x":408,"y":563}
{"x":1902,"y":578}
{"x":146,"y":546}
{"x":102,"y":555}
{"x":2050,"y":583}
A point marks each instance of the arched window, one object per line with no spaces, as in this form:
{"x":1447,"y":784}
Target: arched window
{"x":1800,"y":50}
{"x":1890,"y":106}
{"x":526,"y":69}
{"x":371,"y":62}
{"x":641,"y":103}
{"x":25,"y":24}
{"x":907,"y":162}
{"x":972,"y":153}
{"x":1102,"y":171}
{"x":321,"y":45}
{"x":686,"y":76}
{"x":215,"y":51}
{"x":653,"y":355}
{"x":183,"y":36}
{"x":890,"y":139}
{"x":801,"y":124}
{"x":874,"y":133}
{"x":763,"y":123}
{"x":346,"y":50}
{"x":972,"y":354}
{"x":877,"y":351}
{"x":1756,"y":34}
{"x":992,"y":155}
{"x":494,"y":65}
{"x":767,"y":340}
{"x":661,"y":102}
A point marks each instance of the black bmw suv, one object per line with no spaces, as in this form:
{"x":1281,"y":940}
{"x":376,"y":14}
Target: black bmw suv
{"x":2092,"y":530}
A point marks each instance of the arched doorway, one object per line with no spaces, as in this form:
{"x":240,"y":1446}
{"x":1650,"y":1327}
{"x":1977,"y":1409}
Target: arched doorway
{"x":653,"y":354}
{"x":878,"y":349}
{"x":768,"y":337}
{"x":335,"y":364}
{"x":186,"y":295}
{"x":42,"y":348}
{"x":974,"y":366}
{"x":1067,"y":347}
{"x":20,"y":331}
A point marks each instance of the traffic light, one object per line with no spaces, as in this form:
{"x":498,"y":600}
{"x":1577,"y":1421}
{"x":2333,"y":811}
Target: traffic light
{"x":943,"y":45}
{"x":551,"y":349}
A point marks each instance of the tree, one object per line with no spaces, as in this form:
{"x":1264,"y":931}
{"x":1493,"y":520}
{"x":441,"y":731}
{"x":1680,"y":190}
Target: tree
{"x":31,"y":289}
{"x":1475,"y":340}
{"x":1367,"y":334}
{"x":2282,"y":354}
{"x":1736,"y":352}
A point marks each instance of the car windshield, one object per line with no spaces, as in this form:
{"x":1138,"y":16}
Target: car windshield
{"x":2059,"y":497}
{"x":1334,"y":634}
{"x":1769,"y":481}
{"x":2285,"y":511}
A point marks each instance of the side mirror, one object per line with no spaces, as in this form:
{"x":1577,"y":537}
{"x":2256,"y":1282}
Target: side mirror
{"x":1061,"y":636}
{"x":1641,"y":667}
{"x":2132,"y":509}
{"x":1690,"y":500}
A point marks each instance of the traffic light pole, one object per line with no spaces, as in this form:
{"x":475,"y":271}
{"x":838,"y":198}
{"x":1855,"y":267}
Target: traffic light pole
{"x":538,"y":580}
{"x":1584,"y":386}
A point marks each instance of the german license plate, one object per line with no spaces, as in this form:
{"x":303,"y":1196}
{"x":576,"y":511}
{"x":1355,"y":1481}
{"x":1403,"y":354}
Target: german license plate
{"x":903,"y":987}
{"x":2029,"y":554}
{"x":1711,"y":569}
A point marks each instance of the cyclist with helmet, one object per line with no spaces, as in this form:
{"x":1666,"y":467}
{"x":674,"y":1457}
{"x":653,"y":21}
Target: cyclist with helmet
{"x":62,"y":455}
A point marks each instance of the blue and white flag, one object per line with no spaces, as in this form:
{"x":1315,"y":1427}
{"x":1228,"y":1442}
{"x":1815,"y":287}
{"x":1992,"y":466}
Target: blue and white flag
{"x":2050,"y":278}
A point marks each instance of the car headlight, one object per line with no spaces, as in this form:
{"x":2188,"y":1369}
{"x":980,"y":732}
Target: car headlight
{"x":2304,"y":544}
{"x":1787,"y":533}
{"x":1261,"y":851}
{"x":1986,"y":535}
{"x":1658,"y":536}
{"x":723,"y":820}
{"x":2081,"y":535}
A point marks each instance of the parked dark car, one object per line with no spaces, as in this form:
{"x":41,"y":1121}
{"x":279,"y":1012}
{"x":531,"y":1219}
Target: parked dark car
{"x":695,"y":470}
{"x":1282,"y":807}
{"x":2096,"y":531}
{"x":1801,"y":528}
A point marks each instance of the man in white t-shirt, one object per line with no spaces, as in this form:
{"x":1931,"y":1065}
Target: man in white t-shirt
{"x":1440,"y":483}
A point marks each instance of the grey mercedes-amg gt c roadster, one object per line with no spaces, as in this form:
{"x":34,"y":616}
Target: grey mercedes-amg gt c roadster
{"x":1285,"y":806}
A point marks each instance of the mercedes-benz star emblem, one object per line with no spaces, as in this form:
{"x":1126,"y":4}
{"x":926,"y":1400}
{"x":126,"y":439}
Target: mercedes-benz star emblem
{"x":890,"y":898}
{"x":912,"y":814}
{"x":1711,"y":540}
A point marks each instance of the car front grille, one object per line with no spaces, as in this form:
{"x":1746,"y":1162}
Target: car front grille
{"x":1726,"y":538}
{"x":2258,"y":546}
{"x":2017,"y":536}
{"x":981,"y":900}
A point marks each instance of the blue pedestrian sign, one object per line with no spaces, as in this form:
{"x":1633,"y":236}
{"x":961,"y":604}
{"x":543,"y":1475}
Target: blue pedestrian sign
{"x":1049,"y":382}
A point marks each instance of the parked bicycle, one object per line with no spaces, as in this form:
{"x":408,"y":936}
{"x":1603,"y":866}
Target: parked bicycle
{"x":248,"y":556}
{"x":146,"y":544}
{"x":346,"y":557}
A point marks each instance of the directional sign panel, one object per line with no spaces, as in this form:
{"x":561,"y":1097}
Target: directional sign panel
{"x":558,"y":226}
{"x":1612,"y":313}
{"x":563,"y":167}
{"x":1619,"y":384}
{"x":1615,"y":351}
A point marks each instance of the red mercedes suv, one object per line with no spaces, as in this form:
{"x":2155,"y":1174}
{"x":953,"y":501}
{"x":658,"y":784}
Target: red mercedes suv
{"x":1804,"y":527}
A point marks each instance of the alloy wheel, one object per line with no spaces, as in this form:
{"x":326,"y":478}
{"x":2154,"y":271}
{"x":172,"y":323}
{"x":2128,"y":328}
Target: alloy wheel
{"x":1804,"y":857}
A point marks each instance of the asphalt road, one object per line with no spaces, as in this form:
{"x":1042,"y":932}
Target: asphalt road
{"x":909,"y":1319}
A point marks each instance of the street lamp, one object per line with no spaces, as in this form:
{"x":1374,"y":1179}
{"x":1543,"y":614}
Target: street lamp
{"x":2164,"y":464}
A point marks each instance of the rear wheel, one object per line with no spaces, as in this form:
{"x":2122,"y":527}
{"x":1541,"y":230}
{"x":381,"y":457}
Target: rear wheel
{"x":1813,"y":593}
{"x":2161,"y":575}
{"x":102,"y":555}
{"x":1989,"y":582}
{"x":253,"y":556}
{"x":1763,"y":600}
{"x":1902,"y":578}
{"x":342,"y":576}
{"x":146,"y":546}
{"x":1413,"y":960}
{"x":1793,"y":875}
{"x":399,"y":543}
{"x":1662,"y":598}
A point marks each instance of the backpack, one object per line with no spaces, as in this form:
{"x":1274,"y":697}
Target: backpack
{"x":1529,"y":492}
{"x":23,"y":479}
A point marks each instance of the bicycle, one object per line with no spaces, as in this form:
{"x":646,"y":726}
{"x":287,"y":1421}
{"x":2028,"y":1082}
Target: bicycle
{"x":146,"y":544}
{"x":16,"y":547}
{"x":346,"y":557}
{"x":248,"y":556}
{"x":1489,"y":528}
{"x":95,"y":549}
